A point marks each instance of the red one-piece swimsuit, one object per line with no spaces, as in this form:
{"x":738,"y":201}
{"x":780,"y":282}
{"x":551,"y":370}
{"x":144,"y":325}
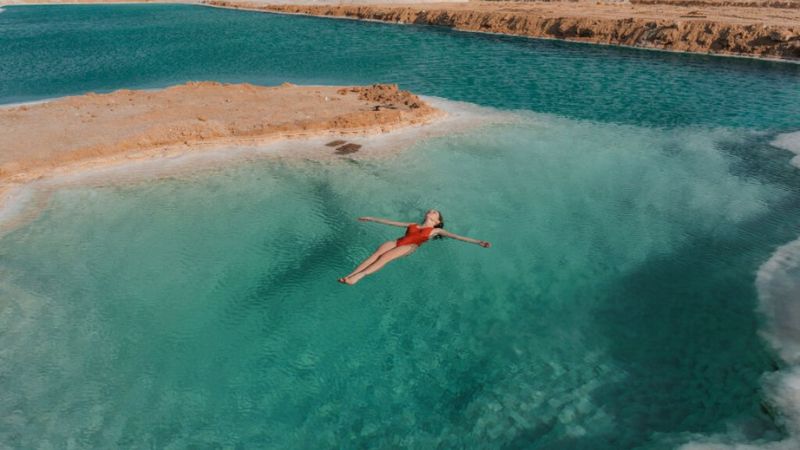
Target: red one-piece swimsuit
{"x":415,"y":235}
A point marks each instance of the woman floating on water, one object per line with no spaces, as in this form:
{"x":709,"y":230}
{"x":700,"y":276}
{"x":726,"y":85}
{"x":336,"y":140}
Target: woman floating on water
{"x":432,"y":227}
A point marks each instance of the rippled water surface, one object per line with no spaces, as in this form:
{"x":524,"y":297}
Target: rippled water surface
{"x":630,"y":208}
{"x":47,"y":51}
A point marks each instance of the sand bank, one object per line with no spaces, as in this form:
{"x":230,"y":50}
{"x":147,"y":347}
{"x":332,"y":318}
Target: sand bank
{"x":127,"y":136}
{"x":94,"y":129}
{"x":758,"y":28}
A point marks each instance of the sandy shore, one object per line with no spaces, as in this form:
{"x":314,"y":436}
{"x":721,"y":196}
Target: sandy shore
{"x":757,"y":28}
{"x":754,"y":28}
{"x":100,"y":129}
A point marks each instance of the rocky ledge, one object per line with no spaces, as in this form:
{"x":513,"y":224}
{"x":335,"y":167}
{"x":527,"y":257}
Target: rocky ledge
{"x":707,"y":26}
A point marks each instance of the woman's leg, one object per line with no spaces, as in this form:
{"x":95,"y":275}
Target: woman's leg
{"x":382,"y":260}
{"x":385,"y":247}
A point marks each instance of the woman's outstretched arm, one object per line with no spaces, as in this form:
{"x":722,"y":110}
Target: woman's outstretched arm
{"x":445,"y":233}
{"x":384,"y":221}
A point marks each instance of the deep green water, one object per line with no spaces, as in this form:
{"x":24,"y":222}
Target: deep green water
{"x":630,"y":207}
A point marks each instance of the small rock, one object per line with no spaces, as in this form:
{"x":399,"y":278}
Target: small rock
{"x":347,"y":149}
{"x":335,"y":143}
{"x":780,"y":35}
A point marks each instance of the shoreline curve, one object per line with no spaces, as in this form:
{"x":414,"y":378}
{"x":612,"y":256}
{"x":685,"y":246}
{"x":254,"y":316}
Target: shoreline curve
{"x":719,"y":30}
{"x":766,"y":30}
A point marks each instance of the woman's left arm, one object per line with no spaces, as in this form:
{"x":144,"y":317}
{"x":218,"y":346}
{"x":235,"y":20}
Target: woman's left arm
{"x":446,"y":233}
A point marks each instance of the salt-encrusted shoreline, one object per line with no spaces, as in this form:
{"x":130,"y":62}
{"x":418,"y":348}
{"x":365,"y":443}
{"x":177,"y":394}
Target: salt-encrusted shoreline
{"x":67,"y":137}
{"x":97,"y":129}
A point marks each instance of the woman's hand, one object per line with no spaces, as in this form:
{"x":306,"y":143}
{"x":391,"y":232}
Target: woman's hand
{"x":484,"y":244}
{"x":365,"y":219}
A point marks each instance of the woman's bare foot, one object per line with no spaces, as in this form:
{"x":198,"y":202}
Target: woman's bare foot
{"x":353,"y":279}
{"x":347,"y":280}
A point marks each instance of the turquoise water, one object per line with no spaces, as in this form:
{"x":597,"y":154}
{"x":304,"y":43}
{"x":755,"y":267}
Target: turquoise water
{"x":48,"y":51}
{"x":630,"y":208}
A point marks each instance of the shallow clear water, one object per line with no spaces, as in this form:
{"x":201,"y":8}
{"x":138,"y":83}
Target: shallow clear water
{"x":616,"y":309}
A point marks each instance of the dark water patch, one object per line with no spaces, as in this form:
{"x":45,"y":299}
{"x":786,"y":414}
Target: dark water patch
{"x":705,"y":288}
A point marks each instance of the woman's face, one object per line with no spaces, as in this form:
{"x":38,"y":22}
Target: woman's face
{"x":433,"y":216}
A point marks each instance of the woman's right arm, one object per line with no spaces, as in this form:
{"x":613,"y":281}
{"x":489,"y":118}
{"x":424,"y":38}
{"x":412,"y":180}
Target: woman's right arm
{"x":384,"y":221}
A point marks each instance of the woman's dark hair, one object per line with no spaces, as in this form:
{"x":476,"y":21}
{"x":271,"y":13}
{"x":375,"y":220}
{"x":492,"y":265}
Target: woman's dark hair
{"x":439,"y":225}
